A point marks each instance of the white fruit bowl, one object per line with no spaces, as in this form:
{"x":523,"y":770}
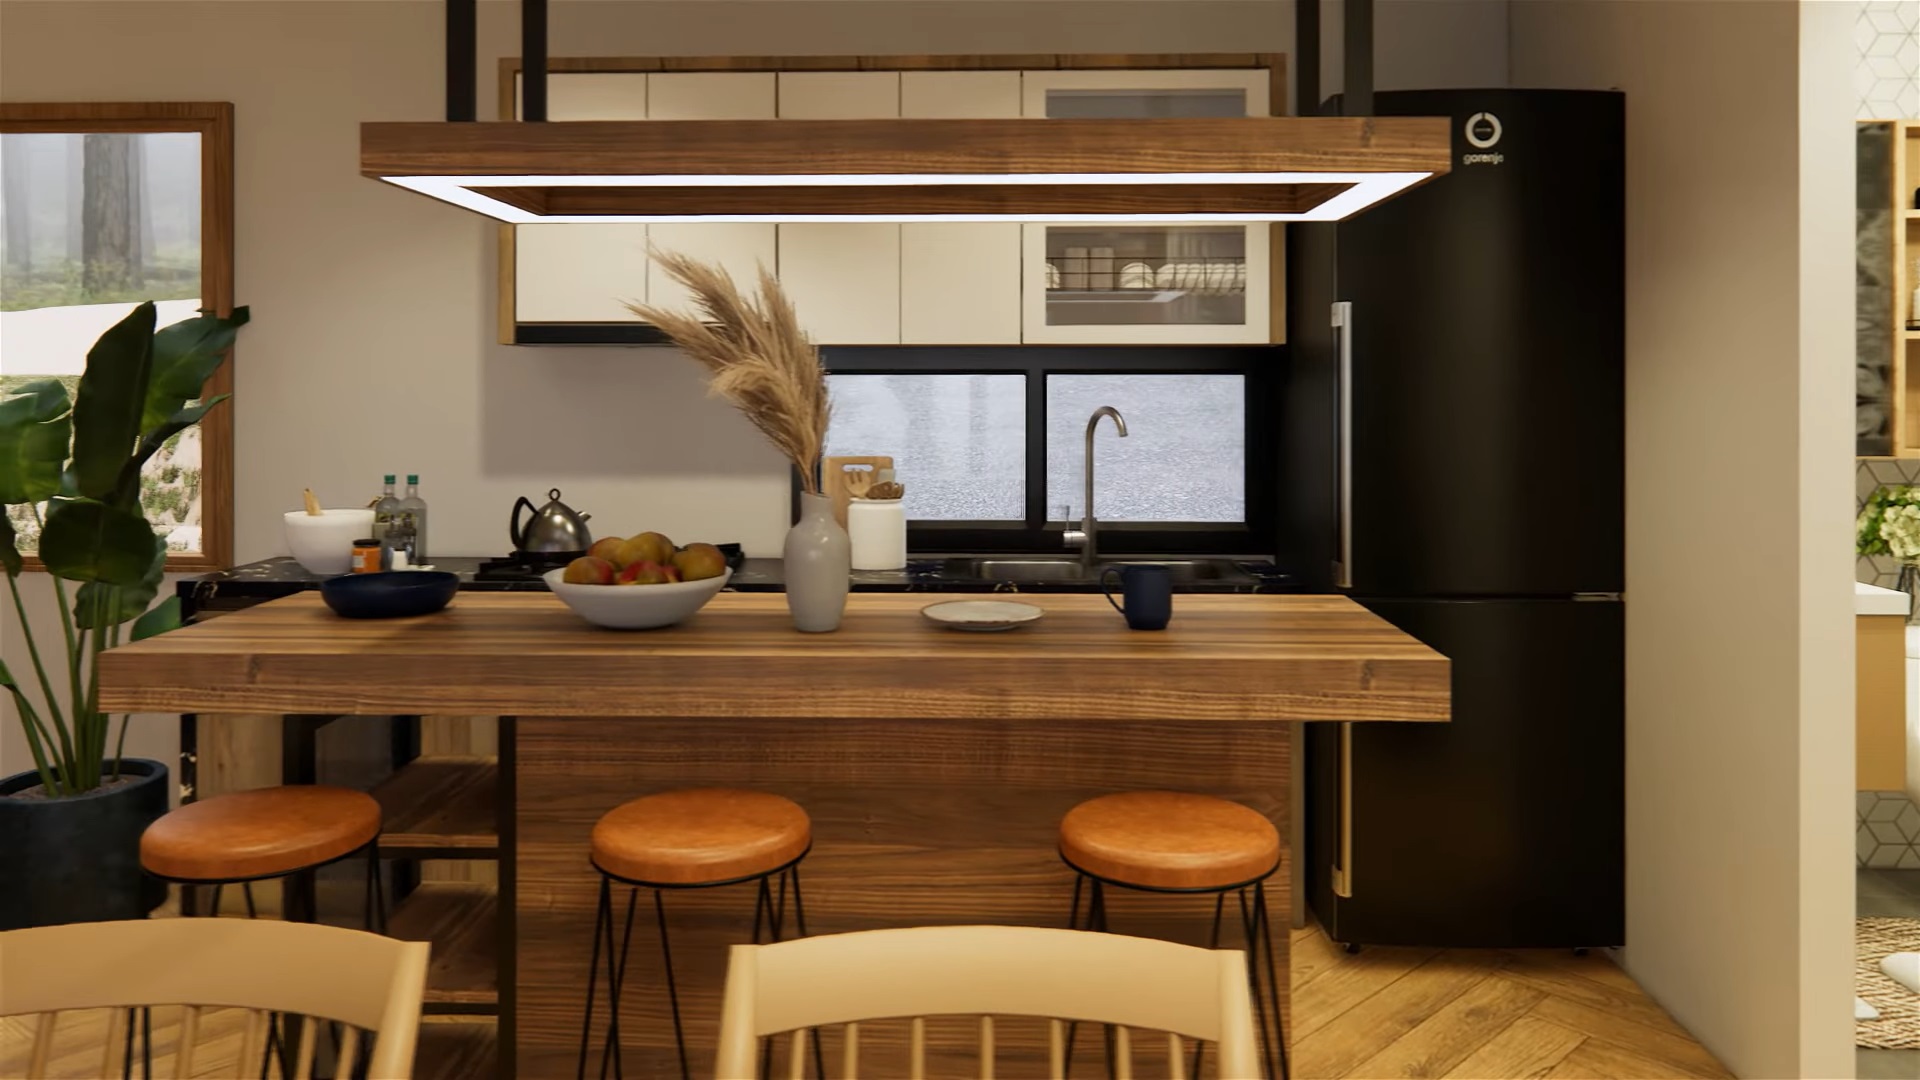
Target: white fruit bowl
{"x":636,"y":607}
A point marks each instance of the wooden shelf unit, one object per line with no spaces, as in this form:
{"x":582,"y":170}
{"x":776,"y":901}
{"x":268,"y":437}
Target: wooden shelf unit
{"x":1904,"y":373}
{"x":456,"y":1048}
{"x":458,"y":918}
{"x":441,"y":807}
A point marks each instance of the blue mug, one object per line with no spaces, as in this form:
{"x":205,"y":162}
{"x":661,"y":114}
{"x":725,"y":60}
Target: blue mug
{"x":1148,"y":590}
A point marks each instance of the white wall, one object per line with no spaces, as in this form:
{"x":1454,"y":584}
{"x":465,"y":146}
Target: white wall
{"x":1739,"y":666}
{"x":372,"y":343}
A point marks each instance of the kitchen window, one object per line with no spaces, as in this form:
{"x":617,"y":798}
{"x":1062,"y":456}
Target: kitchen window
{"x":102,"y":206}
{"x":990,"y":443}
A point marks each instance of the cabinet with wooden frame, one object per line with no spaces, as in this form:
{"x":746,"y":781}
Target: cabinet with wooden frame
{"x":922,"y":296}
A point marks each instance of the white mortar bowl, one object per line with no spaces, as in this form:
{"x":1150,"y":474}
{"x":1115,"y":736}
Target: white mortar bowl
{"x":324,"y":544}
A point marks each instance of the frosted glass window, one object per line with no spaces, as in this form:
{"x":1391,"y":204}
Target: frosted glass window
{"x":958,"y":442}
{"x":1184,"y":457}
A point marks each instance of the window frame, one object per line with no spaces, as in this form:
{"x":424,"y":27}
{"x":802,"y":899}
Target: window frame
{"x":213,"y":122}
{"x":1260,"y":365}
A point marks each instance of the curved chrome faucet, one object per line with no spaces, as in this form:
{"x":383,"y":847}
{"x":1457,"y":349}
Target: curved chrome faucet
{"x":1084,"y":537}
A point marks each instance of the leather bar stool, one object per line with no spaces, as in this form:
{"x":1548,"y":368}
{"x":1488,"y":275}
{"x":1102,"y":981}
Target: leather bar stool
{"x":1174,"y":842}
{"x":699,"y":838}
{"x":260,"y":835}
{"x":267,"y":833}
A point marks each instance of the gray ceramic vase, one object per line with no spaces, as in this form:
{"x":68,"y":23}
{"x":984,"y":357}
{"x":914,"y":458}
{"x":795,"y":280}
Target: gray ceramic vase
{"x":819,"y":562}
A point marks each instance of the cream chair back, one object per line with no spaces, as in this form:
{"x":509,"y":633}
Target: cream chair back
{"x":370,"y":984}
{"x":1136,"y":985}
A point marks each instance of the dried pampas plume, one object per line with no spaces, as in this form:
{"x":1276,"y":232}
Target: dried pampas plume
{"x":757,"y":356}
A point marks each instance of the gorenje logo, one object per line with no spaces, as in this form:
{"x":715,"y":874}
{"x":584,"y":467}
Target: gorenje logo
{"x":1483,"y":131}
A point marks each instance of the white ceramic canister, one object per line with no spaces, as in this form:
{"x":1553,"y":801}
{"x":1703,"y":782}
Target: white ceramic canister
{"x":878,"y":530}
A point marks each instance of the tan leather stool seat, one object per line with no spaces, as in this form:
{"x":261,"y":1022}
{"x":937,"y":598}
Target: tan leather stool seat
{"x":256,"y":834}
{"x":1169,"y":840}
{"x":700,"y":835}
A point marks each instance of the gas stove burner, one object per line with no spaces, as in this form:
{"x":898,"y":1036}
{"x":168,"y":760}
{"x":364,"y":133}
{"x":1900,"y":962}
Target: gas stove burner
{"x":523,"y":565}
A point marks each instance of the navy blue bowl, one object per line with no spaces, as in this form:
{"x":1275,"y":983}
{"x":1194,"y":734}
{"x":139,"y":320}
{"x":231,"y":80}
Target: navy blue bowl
{"x":393,"y":594}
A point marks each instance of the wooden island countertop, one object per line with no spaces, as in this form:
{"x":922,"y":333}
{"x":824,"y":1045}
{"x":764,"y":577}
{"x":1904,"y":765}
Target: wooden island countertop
{"x":1223,"y":658}
{"x":935,"y":765}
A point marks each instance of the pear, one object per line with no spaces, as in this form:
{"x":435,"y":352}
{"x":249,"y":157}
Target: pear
{"x":699,"y":561}
{"x":643,"y":573}
{"x":651,"y":546}
{"x":608,"y":548}
{"x":587,"y":570}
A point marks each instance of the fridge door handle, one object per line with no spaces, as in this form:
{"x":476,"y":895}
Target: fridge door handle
{"x":1343,"y":332}
{"x":1343,"y":870}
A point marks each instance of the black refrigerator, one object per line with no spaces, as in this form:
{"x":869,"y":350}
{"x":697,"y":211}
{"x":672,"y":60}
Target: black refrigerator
{"x":1452,"y":457}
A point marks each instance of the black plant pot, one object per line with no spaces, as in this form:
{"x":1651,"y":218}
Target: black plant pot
{"x":78,"y":859}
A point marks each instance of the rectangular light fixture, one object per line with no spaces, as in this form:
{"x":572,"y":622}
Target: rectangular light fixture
{"x":1250,"y":169}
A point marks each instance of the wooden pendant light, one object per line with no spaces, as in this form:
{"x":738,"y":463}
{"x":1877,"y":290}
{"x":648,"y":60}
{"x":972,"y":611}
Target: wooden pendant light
{"x":1238,"y":169}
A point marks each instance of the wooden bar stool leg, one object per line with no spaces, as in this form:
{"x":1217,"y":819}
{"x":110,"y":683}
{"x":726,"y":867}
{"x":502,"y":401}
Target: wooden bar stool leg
{"x":800,"y":925}
{"x":1213,"y":942}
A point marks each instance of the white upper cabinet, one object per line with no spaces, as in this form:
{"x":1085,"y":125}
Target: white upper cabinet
{"x":742,"y":249}
{"x":839,"y":95}
{"x":593,"y":95}
{"x":960,"y":95}
{"x":960,"y":281}
{"x":583,"y":273}
{"x":924,"y":283}
{"x":1144,"y":282}
{"x":844,"y":278}
{"x":711,"y":95}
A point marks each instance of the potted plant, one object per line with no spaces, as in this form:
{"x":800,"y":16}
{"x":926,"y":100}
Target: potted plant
{"x":71,"y":468}
{"x":1889,"y":524}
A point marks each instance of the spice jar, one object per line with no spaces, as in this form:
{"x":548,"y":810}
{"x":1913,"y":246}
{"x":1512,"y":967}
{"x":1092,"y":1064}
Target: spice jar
{"x":366,"y":557}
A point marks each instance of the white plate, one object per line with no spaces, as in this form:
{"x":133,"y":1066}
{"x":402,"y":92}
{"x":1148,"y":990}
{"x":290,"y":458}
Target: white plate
{"x":981,"y":614}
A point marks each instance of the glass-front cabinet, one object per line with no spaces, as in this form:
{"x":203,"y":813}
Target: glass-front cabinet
{"x":1146,"y":281}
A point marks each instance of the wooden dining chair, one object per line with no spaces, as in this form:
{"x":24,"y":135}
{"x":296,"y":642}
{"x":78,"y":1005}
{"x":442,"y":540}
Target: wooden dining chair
{"x":370,"y":984}
{"x":983,"y":972}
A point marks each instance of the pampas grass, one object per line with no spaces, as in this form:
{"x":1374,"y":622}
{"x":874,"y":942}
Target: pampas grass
{"x":757,"y":356}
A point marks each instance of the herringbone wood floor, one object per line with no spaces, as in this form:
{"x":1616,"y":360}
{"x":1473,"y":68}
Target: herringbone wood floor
{"x":1386,"y":1012}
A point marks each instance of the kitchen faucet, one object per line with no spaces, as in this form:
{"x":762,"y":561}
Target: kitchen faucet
{"x":1084,"y":538}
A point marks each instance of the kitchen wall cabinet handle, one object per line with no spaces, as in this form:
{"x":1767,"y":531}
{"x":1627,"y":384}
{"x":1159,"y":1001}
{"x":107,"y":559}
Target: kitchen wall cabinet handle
{"x":1343,"y":870}
{"x":1343,"y":330}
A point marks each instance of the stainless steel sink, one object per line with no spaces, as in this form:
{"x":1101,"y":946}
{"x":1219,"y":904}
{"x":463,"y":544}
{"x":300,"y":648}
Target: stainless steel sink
{"x":1045,"y":570}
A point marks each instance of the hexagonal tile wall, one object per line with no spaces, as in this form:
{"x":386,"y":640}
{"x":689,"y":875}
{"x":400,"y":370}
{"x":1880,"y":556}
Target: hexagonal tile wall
{"x":1887,"y":830}
{"x":1886,"y":77}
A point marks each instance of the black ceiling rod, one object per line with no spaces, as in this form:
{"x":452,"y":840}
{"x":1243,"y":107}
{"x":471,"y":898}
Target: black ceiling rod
{"x":1357,"y":65}
{"x":461,"y":42}
{"x":1306,"y":57}
{"x":533,"y":59}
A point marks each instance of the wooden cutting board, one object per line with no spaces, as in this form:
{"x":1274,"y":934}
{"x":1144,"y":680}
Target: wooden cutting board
{"x":833,"y":478}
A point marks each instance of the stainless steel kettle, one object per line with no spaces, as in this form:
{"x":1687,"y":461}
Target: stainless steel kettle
{"x":553,"y":529}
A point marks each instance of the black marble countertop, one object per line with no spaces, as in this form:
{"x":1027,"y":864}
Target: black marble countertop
{"x":281,"y":576}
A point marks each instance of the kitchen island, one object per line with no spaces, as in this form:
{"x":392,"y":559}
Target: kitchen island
{"x":936,"y":765}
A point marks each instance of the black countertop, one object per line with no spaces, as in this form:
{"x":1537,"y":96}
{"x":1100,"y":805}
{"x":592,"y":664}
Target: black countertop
{"x":281,"y":576}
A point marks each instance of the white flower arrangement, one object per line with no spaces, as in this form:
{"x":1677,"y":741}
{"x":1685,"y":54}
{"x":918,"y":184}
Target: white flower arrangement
{"x":1890,"y":524}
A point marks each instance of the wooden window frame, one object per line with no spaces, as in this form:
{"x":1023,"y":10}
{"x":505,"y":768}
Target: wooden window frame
{"x":213,"y":122}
